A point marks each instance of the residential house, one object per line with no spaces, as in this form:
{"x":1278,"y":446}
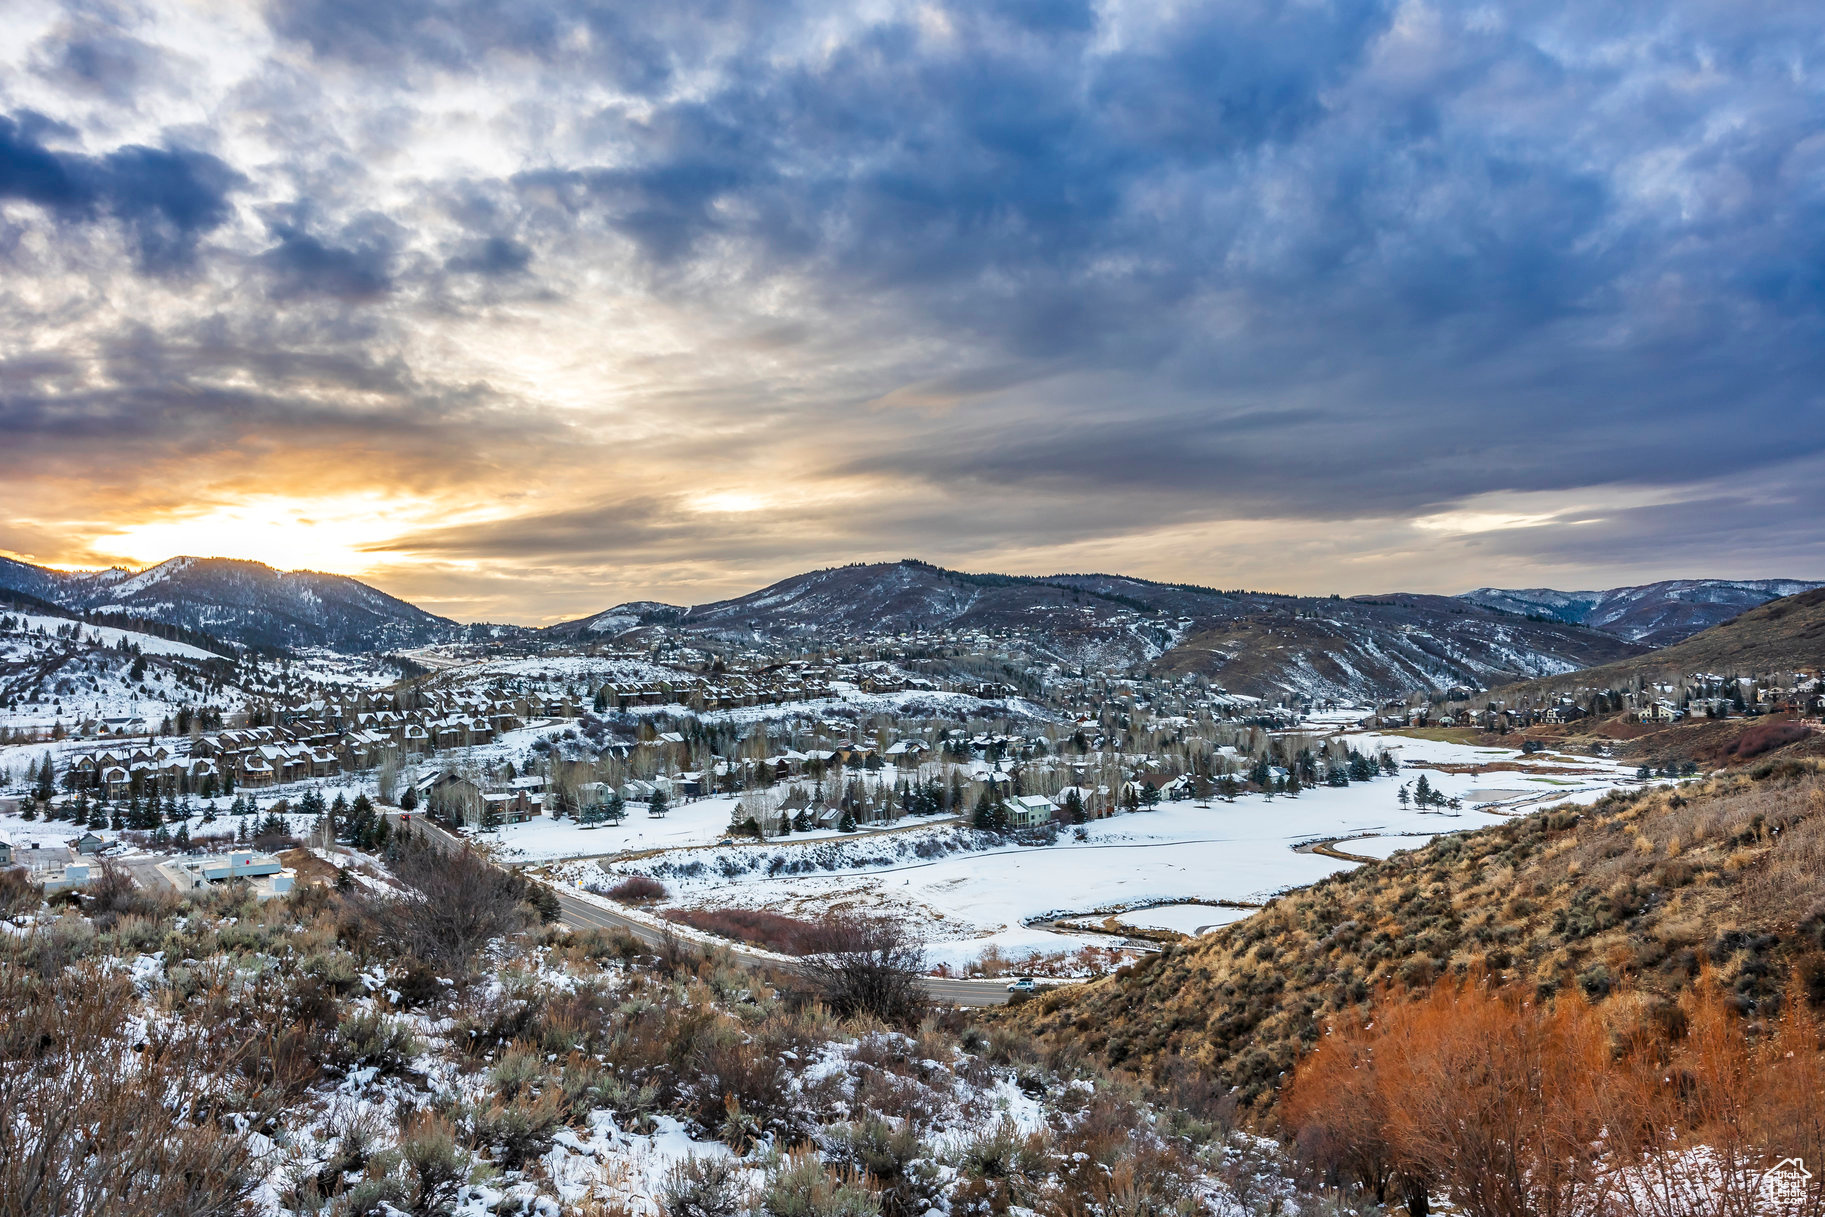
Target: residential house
{"x":1027,"y":810}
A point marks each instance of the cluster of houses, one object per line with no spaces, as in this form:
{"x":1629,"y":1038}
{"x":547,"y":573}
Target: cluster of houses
{"x":1699,"y":695}
{"x":728,"y":691}
{"x":313,"y":739}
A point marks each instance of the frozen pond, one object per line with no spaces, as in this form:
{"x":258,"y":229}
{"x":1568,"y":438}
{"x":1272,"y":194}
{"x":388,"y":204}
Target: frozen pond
{"x":1382,"y":847}
{"x":1184,"y":918}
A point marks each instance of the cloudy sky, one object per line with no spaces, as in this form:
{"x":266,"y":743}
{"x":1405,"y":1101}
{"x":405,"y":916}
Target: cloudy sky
{"x":520,"y":309}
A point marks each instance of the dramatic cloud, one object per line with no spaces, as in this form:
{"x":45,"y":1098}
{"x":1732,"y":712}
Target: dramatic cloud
{"x":531,"y":307}
{"x":168,"y":199}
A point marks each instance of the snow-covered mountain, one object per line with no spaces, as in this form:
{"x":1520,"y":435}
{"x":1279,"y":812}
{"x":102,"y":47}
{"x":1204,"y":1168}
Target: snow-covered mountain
{"x":239,"y":601}
{"x":1250,"y":642}
{"x":1658,"y":614}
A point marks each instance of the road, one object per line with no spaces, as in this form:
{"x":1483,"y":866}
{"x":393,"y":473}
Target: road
{"x":583,"y":914}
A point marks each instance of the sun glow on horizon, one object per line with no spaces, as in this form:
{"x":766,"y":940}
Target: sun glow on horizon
{"x":336,"y":536}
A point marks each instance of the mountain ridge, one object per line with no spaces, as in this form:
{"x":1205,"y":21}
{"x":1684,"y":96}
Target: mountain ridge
{"x":1324,"y":647}
{"x":238,"y":601}
{"x":1658,"y":614}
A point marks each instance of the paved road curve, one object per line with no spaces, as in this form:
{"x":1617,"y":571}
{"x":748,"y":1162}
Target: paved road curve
{"x":583,"y":914}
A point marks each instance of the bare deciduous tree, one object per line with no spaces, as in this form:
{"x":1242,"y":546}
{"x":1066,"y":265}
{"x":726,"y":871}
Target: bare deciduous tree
{"x":870,"y":967}
{"x":454,"y":904}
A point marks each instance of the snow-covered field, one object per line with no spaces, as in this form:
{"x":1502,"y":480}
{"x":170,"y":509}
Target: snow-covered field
{"x":964,"y":903}
{"x":694,"y":822}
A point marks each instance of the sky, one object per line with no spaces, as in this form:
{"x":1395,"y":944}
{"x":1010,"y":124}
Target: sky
{"x":522,"y":308}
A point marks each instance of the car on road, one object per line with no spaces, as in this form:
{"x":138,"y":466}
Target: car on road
{"x":1026,"y":984}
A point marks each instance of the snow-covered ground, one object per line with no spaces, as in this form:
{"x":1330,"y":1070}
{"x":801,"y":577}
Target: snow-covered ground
{"x":108,"y":636}
{"x":964,"y":903}
{"x":694,"y":822}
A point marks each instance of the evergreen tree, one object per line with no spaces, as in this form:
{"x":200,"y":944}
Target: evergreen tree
{"x":657,"y":806}
{"x":1074,"y":807}
{"x":408,"y":799}
{"x":1150,"y":794}
{"x":847,"y":822}
{"x":1422,"y":791}
{"x":616,"y":811}
{"x":182,"y":839}
{"x":991,"y":814}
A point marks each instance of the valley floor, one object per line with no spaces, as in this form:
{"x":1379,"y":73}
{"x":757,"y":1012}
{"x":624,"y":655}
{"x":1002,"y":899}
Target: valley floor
{"x":981,"y":896}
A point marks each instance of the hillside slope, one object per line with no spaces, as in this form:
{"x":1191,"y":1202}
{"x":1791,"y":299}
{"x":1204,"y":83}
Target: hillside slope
{"x":1639,"y":892}
{"x":1658,"y":614}
{"x":1389,"y":647}
{"x":245,"y":602}
{"x":1783,"y":635}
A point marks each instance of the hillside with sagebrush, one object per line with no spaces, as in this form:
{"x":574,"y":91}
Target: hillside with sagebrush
{"x":1629,"y":904}
{"x":420,"y":1040}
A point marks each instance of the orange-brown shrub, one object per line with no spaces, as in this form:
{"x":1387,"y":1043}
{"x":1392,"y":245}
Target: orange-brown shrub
{"x":1766,"y":737}
{"x":638,"y":888}
{"x":774,"y":931}
{"x":1514,"y":1108}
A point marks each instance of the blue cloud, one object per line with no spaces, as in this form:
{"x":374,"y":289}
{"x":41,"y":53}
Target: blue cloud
{"x":166,"y":198}
{"x":359,"y":269}
{"x":1311,"y":260}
